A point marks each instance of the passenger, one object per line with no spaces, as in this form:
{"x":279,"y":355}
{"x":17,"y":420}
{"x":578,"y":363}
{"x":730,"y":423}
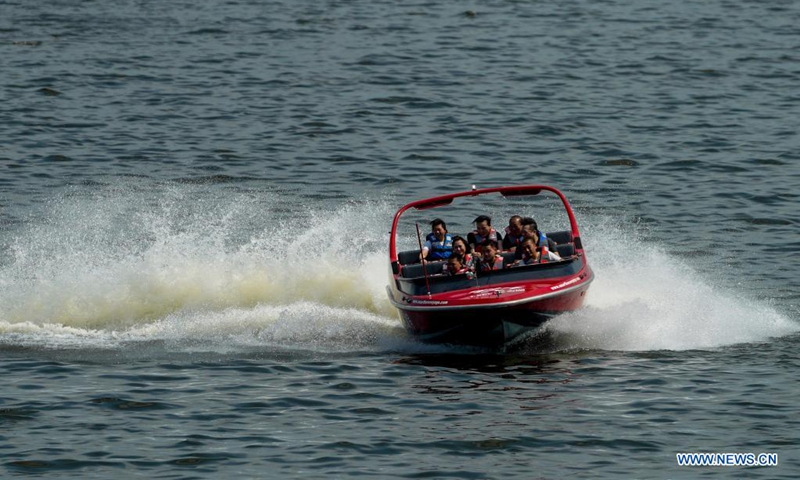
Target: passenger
{"x":462,"y":251}
{"x":513,"y":234}
{"x":533,"y":254}
{"x":490,"y":259}
{"x":438,"y":244}
{"x":483,"y":231}
{"x":531,"y":230}
{"x":455,"y":267}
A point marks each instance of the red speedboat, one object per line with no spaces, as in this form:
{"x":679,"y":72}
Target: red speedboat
{"x":490,"y":308}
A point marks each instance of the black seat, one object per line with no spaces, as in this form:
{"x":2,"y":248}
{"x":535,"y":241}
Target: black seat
{"x":563,"y":236}
{"x":414,"y":271}
{"x":565,"y":250}
{"x":408,"y":257}
{"x":508,"y":258}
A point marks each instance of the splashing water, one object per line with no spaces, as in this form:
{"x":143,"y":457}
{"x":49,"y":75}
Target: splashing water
{"x":188,"y":265}
{"x":116,"y":264}
{"x":644,"y":299}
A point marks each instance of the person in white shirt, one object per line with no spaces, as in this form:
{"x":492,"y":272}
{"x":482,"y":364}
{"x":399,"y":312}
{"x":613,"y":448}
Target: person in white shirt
{"x":533,"y":254}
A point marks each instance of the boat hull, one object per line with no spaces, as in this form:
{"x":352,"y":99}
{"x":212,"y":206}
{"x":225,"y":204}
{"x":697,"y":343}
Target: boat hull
{"x":487,"y":325}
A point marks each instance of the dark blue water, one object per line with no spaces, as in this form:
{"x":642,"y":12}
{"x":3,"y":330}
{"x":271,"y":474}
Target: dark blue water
{"x":194,"y":207}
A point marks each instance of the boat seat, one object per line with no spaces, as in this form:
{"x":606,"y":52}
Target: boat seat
{"x":414,"y":271}
{"x":565,"y":250}
{"x":408,"y":257}
{"x":563,"y":236}
{"x":508,"y":258}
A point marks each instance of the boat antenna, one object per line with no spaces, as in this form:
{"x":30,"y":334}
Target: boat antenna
{"x":422,"y":261}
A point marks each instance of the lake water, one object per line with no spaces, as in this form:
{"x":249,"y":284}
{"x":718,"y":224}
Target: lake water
{"x":195,"y":201}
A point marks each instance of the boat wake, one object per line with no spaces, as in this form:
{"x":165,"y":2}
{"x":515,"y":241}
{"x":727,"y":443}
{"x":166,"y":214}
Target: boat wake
{"x":659,"y":302}
{"x":226,"y":272}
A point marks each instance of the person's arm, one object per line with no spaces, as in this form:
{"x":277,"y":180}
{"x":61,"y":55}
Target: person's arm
{"x":424,"y":253}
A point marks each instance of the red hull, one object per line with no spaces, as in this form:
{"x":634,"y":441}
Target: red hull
{"x":488,"y":323}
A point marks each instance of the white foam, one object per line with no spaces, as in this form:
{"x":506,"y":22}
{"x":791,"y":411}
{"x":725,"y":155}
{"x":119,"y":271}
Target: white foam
{"x":117,"y":263}
{"x":644,"y":299}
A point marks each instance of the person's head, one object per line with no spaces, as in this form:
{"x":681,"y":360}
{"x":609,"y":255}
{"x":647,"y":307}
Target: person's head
{"x":439,"y":228}
{"x":529,"y":227}
{"x":529,"y":222}
{"x":515,"y":225}
{"x":454,"y":264}
{"x":460,"y":247}
{"x":529,"y":247}
{"x":489,"y":249}
{"x":483,"y":225}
